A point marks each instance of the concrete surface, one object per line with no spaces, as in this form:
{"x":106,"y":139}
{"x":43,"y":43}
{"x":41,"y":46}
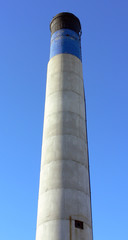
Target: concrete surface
{"x":64,"y":192}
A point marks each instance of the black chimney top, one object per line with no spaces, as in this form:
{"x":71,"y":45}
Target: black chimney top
{"x":65,"y":20}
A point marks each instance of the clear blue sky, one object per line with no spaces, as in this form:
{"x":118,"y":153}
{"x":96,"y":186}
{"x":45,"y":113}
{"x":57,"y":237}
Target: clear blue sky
{"x":24,"y":53}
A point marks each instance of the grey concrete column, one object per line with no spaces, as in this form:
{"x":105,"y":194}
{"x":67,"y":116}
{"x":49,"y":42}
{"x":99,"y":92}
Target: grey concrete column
{"x":64,"y":194}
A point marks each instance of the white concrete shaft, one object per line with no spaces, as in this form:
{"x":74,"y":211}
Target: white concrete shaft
{"x":64,"y":192}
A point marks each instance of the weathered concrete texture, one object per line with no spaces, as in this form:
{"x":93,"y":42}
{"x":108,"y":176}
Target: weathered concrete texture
{"x":64,"y":193}
{"x":58,"y":231}
{"x":65,"y":123}
{"x":68,"y":101}
{"x":62,"y":148}
{"x":69,"y":174}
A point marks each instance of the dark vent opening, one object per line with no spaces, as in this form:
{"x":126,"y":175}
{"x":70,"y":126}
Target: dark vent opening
{"x":79,"y":224}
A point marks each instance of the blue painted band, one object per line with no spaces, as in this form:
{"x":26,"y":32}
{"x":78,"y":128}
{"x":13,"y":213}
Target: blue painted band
{"x":65,"y":41}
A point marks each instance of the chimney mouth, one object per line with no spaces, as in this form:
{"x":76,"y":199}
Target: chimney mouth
{"x":65,"y":20}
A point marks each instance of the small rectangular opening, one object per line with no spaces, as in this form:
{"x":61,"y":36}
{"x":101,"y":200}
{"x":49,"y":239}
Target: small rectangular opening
{"x":79,"y":224}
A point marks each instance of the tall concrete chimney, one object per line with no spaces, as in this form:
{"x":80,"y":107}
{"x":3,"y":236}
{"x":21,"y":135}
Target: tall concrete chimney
{"x":64,"y":205}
